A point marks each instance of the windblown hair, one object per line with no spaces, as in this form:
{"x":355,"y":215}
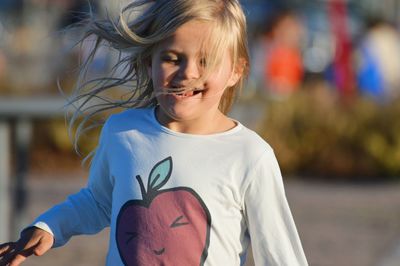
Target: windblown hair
{"x":140,"y":27}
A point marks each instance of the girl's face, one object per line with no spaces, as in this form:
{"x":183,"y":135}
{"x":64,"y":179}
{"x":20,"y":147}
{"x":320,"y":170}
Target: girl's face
{"x":177,"y":63}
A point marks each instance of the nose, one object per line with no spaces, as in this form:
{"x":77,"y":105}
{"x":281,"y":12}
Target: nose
{"x":190,"y":70}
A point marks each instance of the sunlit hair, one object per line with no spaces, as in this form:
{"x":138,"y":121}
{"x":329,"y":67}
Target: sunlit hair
{"x":141,"y":26}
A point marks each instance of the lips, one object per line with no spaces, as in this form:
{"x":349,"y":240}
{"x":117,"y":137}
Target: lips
{"x":185,"y":94}
{"x":181,"y":93}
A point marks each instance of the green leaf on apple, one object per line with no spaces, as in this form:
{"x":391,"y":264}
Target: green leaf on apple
{"x":160,"y":174}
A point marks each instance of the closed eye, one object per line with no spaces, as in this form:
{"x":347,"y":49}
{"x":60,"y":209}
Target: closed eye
{"x":178,"y":222}
{"x":170,"y":59}
{"x":131,"y":236}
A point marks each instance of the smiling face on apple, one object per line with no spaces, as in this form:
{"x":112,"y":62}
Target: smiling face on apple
{"x":166,"y":227}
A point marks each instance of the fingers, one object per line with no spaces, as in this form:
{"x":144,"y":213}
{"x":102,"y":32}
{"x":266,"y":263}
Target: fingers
{"x":18,"y":259}
{"x":33,"y":241}
{"x":15,"y":253}
{"x":12,"y":257}
{"x":5,"y":250}
{"x":46,"y":241}
{"x":43,"y":247}
{"x":6,"y":247}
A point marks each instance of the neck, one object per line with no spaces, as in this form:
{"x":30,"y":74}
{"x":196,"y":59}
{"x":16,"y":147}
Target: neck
{"x":210,"y":124}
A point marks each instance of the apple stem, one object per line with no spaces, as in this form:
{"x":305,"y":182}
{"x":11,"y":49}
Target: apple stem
{"x":142,"y":189}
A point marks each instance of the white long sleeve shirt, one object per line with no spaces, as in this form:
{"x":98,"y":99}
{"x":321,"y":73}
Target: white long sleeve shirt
{"x":180,"y":199}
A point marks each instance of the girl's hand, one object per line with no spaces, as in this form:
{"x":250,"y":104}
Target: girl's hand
{"x":33,"y":241}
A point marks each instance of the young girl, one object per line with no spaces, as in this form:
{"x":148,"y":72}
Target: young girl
{"x":178,"y":181}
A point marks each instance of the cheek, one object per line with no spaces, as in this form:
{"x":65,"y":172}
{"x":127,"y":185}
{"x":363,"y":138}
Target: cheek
{"x":224,"y":77}
{"x":218,"y":84}
{"x":162,"y":75}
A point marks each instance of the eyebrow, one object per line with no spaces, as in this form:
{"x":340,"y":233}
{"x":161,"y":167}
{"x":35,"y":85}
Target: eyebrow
{"x":166,"y":51}
{"x":180,"y":53}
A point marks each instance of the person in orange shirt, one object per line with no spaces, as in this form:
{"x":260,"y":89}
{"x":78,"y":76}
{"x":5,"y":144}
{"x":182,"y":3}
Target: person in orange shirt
{"x":284,"y":64}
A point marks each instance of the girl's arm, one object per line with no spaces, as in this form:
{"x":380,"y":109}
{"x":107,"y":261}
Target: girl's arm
{"x":273,"y":234}
{"x":85,"y":212}
{"x":88,"y":211}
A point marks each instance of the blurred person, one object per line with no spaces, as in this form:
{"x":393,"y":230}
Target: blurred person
{"x":341,"y":70}
{"x":176,"y":179}
{"x":284,"y":69}
{"x":378,"y":61}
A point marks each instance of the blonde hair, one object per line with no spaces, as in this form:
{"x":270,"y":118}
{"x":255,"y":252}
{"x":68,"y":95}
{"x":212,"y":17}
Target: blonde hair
{"x":141,"y":26}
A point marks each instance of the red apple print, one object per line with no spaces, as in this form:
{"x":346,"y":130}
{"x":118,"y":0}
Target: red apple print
{"x":165,"y":227}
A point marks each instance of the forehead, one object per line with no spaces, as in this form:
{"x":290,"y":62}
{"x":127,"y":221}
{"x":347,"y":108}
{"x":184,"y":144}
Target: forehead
{"x":192,"y":36}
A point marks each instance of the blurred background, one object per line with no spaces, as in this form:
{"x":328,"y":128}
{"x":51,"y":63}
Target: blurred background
{"x":324,"y":91}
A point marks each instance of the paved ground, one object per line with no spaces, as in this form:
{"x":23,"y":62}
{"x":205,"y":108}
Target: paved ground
{"x":339,"y":224}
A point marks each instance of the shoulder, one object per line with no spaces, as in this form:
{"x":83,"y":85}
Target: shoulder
{"x":127,"y":116}
{"x":262,"y":162}
{"x":259,"y":163}
{"x":253,"y":145}
{"x":129,"y":119}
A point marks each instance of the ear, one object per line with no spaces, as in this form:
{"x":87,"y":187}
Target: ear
{"x":237,"y":72}
{"x":234,"y":79}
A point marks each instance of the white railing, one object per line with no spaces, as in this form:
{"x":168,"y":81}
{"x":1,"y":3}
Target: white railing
{"x":18,"y":114}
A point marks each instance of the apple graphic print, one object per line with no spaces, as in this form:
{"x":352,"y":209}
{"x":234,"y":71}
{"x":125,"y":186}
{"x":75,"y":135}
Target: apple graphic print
{"x":165,"y":227}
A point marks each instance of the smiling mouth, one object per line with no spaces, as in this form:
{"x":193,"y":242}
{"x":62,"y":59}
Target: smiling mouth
{"x":185,"y":92}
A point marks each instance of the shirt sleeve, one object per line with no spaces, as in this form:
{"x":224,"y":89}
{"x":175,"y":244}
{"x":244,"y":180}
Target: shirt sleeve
{"x":89,"y":210}
{"x":273,"y":234}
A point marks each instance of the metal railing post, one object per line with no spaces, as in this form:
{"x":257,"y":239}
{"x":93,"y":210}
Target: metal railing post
{"x":23,"y":132}
{"x":5,"y":203}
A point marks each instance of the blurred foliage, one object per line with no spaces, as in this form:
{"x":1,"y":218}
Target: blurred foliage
{"x":53,"y":149}
{"x":61,"y":141}
{"x":55,"y":139}
{"x":316,"y":134}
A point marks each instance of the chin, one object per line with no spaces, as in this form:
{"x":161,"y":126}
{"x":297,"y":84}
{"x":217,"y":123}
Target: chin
{"x":179,"y":114}
{"x":177,"y":110}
